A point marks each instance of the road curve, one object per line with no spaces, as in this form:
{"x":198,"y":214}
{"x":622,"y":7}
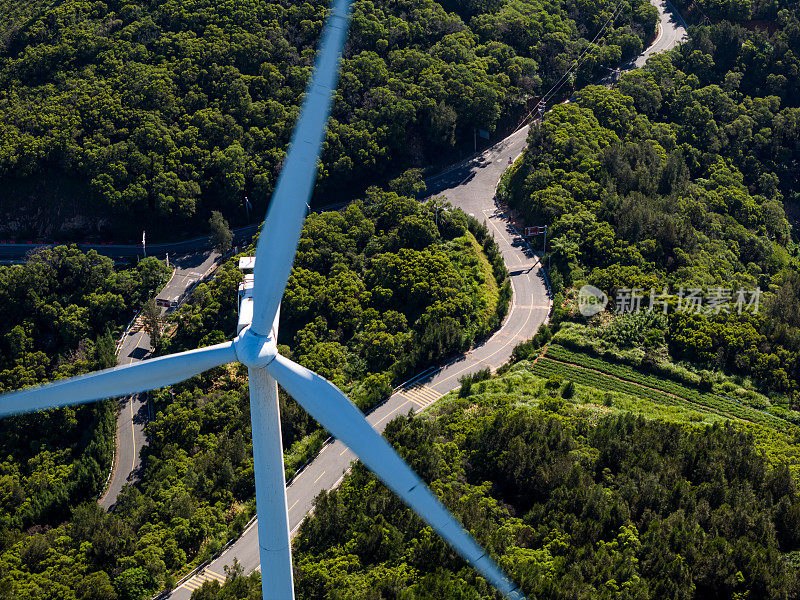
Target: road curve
{"x":133,"y":411}
{"x":671,"y":32}
{"x":530,"y":307}
{"x":469,"y":186}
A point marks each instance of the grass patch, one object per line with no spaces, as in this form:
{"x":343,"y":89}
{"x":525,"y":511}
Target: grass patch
{"x":302,"y":451}
{"x":491,"y":293}
{"x":597,"y":395}
{"x":468,"y":256}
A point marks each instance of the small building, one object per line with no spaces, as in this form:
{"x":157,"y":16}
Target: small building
{"x":246,"y":265}
{"x":169,"y":302}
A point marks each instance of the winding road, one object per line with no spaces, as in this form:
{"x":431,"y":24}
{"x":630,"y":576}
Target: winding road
{"x":672,"y":31}
{"x":530,"y":308}
{"x":133,"y":411}
{"x":470,"y":186}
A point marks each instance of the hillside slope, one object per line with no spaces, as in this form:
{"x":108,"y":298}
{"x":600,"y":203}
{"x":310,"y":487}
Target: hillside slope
{"x":118,"y":115}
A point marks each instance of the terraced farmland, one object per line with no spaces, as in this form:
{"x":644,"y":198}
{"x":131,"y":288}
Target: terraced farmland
{"x":593,"y":372}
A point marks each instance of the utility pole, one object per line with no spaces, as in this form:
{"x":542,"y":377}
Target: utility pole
{"x":168,"y":260}
{"x":144,"y":245}
{"x":544,"y":249}
{"x":247,"y":207}
{"x":474,"y":139}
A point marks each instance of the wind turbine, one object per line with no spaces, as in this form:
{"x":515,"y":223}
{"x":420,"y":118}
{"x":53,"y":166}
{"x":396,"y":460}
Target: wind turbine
{"x":255,"y":347}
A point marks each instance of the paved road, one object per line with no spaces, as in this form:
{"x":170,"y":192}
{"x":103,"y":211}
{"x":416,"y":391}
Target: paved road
{"x":672,"y":31}
{"x":190,"y":268}
{"x":10,"y":252}
{"x":133,"y":412}
{"x":470,"y":186}
{"x":15,"y":252}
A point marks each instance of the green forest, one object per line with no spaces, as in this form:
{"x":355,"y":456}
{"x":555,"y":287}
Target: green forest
{"x":378,"y":290}
{"x":158,"y":113}
{"x":682,"y":177}
{"x":736,"y":11}
{"x":628,"y":456}
{"x":59,"y":314}
{"x":577,"y":491}
{"x":625,"y":455}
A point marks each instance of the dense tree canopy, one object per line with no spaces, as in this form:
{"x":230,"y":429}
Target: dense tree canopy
{"x":752,"y":12}
{"x":682,"y":176}
{"x":572,"y":503}
{"x":58,"y":315}
{"x":377,"y":290}
{"x":160,"y":112}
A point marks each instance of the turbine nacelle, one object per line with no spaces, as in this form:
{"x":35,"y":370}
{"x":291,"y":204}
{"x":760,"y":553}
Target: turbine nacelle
{"x":253,"y":350}
{"x":247,"y":265}
{"x":256,"y":347}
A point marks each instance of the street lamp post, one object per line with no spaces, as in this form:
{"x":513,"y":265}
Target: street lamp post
{"x":544,"y":250}
{"x":544,"y":246}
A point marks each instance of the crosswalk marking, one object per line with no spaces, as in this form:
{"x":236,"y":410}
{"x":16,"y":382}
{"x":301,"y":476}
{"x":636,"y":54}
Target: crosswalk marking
{"x":196,"y":582}
{"x":421,"y":395}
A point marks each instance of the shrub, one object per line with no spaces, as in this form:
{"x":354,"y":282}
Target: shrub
{"x":467,"y":380}
{"x":466,"y":386}
{"x":528,"y":350}
{"x":706,"y":381}
{"x":553,"y":382}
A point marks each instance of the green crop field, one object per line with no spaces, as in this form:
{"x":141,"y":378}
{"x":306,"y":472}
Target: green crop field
{"x":645,"y":385}
{"x":598,"y":395}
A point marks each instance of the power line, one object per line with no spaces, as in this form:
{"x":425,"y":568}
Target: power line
{"x":560,"y":83}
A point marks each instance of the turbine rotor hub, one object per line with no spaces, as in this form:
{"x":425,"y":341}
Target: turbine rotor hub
{"x":253,"y":350}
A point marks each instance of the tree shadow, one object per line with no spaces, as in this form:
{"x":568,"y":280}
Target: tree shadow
{"x":457,"y":176}
{"x":192,"y":260}
{"x":138,"y":353}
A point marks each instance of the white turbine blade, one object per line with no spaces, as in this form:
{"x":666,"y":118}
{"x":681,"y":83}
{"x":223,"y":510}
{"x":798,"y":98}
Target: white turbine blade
{"x":118,"y":381}
{"x":281,"y":231}
{"x":342,"y":419}
{"x":274,"y":542}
